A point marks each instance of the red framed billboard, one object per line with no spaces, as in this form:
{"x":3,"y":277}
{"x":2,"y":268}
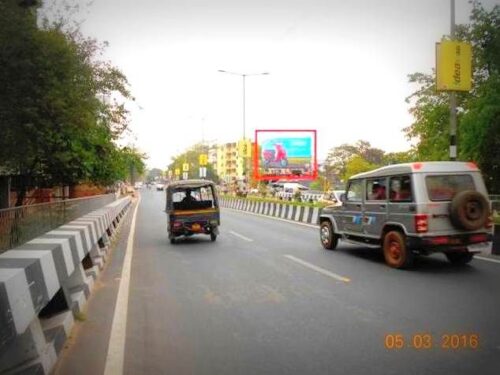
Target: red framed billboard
{"x":285,"y":155}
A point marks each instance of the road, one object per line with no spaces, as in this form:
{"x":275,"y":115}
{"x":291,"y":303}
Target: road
{"x":265,"y":298}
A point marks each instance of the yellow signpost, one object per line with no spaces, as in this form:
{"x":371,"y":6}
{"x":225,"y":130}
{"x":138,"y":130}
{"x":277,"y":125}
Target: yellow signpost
{"x":185,"y":167}
{"x":203,"y":159}
{"x":177,"y":171}
{"x":453,"y":66}
{"x":245,"y":148}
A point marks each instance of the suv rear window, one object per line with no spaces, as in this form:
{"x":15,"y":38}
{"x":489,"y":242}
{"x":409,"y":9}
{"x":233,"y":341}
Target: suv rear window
{"x":444,"y":187}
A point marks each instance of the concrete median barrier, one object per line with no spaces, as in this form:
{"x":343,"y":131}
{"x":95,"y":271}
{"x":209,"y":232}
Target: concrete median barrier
{"x":44,"y":285}
{"x":287,"y":211}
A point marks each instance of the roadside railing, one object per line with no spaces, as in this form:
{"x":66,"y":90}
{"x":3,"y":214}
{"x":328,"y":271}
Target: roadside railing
{"x":22,"y":224}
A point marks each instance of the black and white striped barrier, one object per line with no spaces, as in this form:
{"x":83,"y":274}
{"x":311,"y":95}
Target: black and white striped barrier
{"x":303,"y":214}
{"x":305,"y":197}
{"x":46,"y":282}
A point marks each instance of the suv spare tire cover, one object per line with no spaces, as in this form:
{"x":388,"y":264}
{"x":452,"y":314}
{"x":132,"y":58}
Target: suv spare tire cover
{"x":469,"y":210}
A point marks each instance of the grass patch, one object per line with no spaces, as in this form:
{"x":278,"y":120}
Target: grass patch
{"x":275,"y":200}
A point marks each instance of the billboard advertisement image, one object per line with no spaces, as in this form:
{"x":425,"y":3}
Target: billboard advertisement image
{"x":285,"y":154}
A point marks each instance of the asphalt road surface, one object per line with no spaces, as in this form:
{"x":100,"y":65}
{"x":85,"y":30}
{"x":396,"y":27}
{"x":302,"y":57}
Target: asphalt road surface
{"x":265,"y":298}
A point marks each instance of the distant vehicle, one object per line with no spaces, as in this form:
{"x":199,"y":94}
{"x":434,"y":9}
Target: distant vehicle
{"x":332,"y":197}
{"x":293,"y":187}
{"x":160,"y":186}
{"x":414,"y":208}
{"x":138,"y":185}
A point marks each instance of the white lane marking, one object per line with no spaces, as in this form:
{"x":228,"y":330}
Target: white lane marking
{"x":318,"y":269}
{"x":274,"y":218}
{"x":487,"y":259}
{"x":317,"y":226}
{"x":240,"y":236}
{"x":116,"y":345}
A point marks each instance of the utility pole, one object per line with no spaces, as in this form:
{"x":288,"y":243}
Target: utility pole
{"x":453,"y":96}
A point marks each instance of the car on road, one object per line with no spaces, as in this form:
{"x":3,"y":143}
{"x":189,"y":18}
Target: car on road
{"x":160,"y":186}
{"x":413,"y":209}
{"x":332,"y":198}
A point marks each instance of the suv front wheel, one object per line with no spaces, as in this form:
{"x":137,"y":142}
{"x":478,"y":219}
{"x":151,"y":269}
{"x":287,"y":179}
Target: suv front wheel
{"x":396,"y":253}
{"x":329,"y":239}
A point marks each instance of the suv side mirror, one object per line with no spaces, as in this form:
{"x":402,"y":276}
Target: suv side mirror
{"x":343,"y":198}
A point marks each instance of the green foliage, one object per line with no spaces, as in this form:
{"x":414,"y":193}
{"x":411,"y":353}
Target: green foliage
{"x":339,"y":157}
{"x":321,"y":183}
{"x":399,"y":157}
{"x":357,"y":164}
{"x":347,"y":160}
{"x":58,"y":121}
{"x":478,"y":111}
{"x":191,"y":157}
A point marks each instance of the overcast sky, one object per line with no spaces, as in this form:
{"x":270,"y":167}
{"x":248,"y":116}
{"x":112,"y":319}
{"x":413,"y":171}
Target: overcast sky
{"x":336,"y":66}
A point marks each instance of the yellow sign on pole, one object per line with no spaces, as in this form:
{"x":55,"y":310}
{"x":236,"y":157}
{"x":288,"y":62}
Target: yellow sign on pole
{"x":185,"y":167}
{"x":245,"y":148}
{"x":453,"y":66}
{"x":203,"y":159}
{"x":177,"y":171}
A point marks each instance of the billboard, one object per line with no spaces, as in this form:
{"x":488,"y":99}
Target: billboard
{"x":285,"y":155}
{"x":453,"y":66}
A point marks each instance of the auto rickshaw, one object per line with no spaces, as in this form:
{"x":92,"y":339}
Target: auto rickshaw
{"x":192,"y":207}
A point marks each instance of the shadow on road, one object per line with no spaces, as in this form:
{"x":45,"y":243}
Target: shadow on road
{"x":434,"y":264}
{"x":194,"y":242}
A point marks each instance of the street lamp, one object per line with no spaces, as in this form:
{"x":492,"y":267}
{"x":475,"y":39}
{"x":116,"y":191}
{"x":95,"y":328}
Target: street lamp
{"x":243,"y":76}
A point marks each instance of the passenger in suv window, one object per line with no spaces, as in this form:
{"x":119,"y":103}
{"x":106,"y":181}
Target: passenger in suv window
{"x":400,"y":189}
{"x":377,"y":191}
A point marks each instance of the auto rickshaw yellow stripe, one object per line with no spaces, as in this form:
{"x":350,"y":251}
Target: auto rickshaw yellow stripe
{"x":180,"y":213}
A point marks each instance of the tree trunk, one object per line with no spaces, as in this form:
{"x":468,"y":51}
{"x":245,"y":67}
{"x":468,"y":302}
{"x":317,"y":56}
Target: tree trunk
{"x":4,"y":192}
{"x":21,"y":193}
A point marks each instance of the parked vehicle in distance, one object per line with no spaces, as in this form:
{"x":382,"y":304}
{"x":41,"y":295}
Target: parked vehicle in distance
{"x":192,"y":207}
{"x":332,"y":197}
{"x":413,"y":209}
{"x":160,"y":186}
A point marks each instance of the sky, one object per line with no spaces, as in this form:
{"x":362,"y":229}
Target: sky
{"x":339,"y":67}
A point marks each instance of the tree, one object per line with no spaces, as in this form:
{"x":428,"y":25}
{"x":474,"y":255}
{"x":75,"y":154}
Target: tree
{"x":191,"y":157}
{"x":339,"y":157}
{"x":357,"y":164}
{"x":478,"y":111}
{"x":399,"y":157}
{"x":58,"y":121}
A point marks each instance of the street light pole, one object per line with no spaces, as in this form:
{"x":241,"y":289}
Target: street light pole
{"x":244,"y":117}
{"x":453,"y":96}
{"x":244,"y":76}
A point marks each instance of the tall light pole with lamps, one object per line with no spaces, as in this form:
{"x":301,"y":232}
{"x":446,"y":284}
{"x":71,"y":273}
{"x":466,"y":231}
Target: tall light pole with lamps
{"x":243,"y":76}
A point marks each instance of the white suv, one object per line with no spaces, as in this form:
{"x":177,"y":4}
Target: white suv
{"x":413,"y":208}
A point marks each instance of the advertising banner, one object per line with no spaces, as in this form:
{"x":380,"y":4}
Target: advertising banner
{"x":453,"y":66}
{"x":285,"y":155}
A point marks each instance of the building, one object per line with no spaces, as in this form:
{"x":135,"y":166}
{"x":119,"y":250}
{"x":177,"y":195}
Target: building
{"x":227,"y":161}
{"x":231,"y":164}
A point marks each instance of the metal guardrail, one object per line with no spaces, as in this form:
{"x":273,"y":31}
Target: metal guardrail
{"x":22,"y":224}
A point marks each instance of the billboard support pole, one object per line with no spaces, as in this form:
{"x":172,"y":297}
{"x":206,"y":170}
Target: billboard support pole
{"x":244,"y":159}
{"x":453,"y":97}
